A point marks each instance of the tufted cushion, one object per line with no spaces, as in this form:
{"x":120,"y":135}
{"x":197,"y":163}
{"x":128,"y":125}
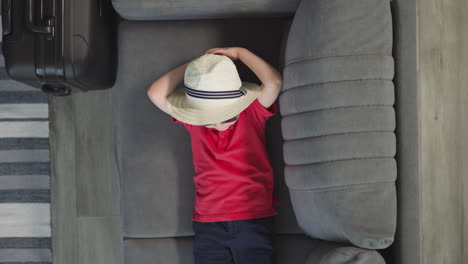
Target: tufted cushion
{"x":339,"y":121}
{"x":330,"y":253}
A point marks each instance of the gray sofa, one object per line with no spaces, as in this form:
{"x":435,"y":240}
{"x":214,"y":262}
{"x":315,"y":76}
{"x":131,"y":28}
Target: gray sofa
{"x":332,"y":147}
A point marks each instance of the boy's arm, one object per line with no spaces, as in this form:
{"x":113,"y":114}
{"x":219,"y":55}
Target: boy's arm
{"x":271,"y":79}
{"x":160,"y":89}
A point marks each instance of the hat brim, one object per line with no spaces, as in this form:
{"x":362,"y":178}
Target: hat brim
{"x":182,"y":110}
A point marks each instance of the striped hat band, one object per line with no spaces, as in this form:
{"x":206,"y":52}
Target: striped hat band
{"x":215,"y":94}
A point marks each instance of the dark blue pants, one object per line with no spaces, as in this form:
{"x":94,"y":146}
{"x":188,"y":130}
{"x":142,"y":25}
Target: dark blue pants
{"x":248,"y":241}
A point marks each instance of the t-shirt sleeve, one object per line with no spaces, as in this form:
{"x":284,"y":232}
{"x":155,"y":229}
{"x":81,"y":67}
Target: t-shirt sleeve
{"x":187,"y":126}
{"x":260,"y":113}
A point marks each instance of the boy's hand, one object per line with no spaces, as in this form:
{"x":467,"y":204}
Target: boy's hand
{"x":231,"y":52}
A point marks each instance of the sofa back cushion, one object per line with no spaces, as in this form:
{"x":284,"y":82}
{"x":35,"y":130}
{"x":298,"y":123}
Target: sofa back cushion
{"x":339,"y":121}
{"x":203,"y":9}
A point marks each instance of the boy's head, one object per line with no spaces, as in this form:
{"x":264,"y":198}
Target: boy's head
{"x":213,"y":91}
{"x":223,"y":125}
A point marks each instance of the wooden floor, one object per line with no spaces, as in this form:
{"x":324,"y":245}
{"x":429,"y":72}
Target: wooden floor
{"x":443,"y":86}
{"x":86,"y":213}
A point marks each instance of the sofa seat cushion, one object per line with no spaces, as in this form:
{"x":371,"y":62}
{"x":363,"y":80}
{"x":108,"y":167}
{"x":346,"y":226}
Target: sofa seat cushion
{"x":154,"y":154}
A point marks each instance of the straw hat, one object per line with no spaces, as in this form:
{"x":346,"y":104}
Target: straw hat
{"x":213,"y":92}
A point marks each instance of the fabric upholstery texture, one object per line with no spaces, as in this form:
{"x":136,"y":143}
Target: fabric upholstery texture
{"x":154,"y":154}
{"x":155,"y":158}
{"x":203,"y":9}
{"x":336,"y":120}
{"x":290,"y":249}
{"x":331,"y":253}
{"x":339,"y":121}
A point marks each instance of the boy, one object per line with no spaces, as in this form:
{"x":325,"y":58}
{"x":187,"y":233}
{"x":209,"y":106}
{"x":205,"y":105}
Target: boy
{"x":233,"y":214}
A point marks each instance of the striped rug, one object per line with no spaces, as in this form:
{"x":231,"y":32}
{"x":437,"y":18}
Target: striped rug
{"x":25,"y":228}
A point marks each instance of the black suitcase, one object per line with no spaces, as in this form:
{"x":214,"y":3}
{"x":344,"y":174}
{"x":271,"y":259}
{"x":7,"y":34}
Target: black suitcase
{"x":60,"y":46}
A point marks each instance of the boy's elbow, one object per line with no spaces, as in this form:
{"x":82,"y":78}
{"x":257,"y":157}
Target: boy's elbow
{"x":152,"y":91}
{"x":279,"y":79}
{"x":154,"y":95}
{"x":277,"y":83}
{"x":155,"y":98}
{"x":159,"y":101}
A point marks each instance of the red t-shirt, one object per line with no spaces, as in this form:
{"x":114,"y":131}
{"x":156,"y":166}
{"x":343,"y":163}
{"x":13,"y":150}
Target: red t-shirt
{"x":233,"y":175}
